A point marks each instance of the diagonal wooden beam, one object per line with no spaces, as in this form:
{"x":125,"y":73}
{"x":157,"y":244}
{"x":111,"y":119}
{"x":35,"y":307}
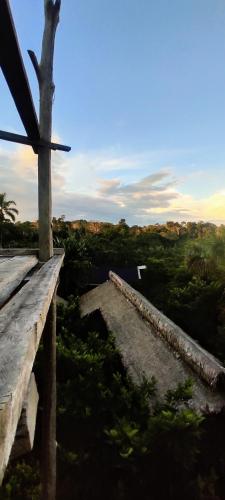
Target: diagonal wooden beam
{"x":11,"y":63}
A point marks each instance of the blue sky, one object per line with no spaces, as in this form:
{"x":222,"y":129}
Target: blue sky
{"x":140,"y":97}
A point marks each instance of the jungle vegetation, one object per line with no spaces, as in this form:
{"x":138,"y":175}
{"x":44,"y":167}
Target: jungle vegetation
{"x":116,"y":440}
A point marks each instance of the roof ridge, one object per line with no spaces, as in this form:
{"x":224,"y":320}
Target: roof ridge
{"x":204,"y":363}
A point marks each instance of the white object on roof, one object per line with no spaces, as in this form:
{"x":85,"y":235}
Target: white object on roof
{"x":139,"y":271}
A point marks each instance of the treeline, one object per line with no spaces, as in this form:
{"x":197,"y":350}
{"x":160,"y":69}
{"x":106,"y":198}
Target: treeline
{"x":21,"y":232}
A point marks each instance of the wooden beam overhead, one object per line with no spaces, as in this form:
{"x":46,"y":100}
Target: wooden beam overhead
{"x":35,"y":143}
{"x":11,"y":63}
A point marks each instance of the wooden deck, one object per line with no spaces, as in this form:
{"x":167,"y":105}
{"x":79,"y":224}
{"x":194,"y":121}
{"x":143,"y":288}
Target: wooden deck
{"x":26,"y":291}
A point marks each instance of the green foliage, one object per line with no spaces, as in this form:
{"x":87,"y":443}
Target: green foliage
{"x":22,"y":482}
{"x":127,"y":437}
{"x":116,"y":440}
{"x":183,"y":392}
{"x":8,"y":213}
{"x":106,"y":420}
{"x":110,"y":428}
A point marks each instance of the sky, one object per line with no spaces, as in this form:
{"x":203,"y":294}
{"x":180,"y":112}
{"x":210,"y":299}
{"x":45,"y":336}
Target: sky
{"x":140,"y":98}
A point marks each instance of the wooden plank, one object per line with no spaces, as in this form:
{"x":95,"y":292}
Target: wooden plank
{"x":21,"y":324}
{"x":12,"y":273}
{"x":24,"y":439}
{"x":11,"y":252}
{"x":4,"y":259}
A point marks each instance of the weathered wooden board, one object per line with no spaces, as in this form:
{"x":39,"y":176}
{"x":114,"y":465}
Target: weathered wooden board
{"x":12,"y":272}
{"x":22,"y":321}
{"x":26,"y":426}
{"x":11,"y":252}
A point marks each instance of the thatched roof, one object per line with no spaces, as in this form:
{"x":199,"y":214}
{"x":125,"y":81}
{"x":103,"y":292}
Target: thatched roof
{"x":152,"y":345}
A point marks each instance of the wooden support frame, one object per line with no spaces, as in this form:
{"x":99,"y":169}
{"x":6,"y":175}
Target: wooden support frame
{"x":38,"y":134}
{"x":39,"y":137}
{"x":11,"y":63}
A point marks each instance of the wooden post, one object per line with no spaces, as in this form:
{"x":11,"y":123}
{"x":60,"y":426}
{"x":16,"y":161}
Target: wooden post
{"x":44,"y":72}
{"x":48,"y":459}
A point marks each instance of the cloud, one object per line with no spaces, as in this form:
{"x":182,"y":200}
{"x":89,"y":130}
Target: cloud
{"x":91,"y":186}
{"x":210,"y":208}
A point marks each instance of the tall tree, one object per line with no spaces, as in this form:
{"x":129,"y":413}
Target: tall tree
{"x":7,"y":212}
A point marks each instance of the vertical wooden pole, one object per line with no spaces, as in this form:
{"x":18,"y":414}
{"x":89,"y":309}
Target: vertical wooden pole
{"x":48,"y":462}
{"x":46,"y":86}
{"x":45,"y":205}
{"x":44,"y":72}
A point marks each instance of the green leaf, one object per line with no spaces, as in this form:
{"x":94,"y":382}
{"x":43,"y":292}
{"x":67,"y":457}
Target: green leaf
{"x":127,"y":453}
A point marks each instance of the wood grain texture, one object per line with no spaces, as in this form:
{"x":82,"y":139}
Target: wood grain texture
{"x":44,"y":72}
{"x":22,"y":321}
{"x":26,"y":426}
{"x":48,"y":456}
{"x":12,"y":272}
{"x":12,"y":252}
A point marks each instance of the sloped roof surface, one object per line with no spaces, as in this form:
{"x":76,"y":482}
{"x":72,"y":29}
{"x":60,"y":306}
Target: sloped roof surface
{"x":144,"y":351}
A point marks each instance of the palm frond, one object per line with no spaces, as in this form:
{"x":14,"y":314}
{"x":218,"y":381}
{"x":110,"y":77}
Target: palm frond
{"x":6,"y":209}
{"x":10,"y":214}
{"x":10,"y":202}
{"x":14,"y":210}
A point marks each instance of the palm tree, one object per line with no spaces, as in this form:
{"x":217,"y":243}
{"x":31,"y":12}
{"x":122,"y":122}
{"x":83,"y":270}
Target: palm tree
{"x":7,"y":212}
